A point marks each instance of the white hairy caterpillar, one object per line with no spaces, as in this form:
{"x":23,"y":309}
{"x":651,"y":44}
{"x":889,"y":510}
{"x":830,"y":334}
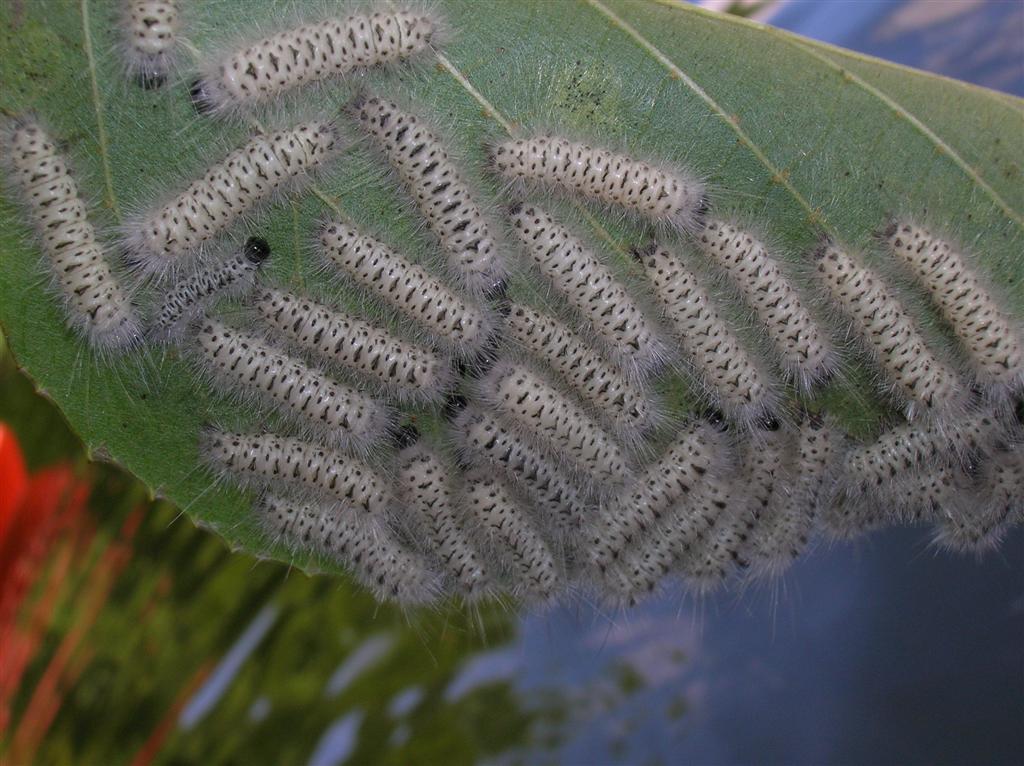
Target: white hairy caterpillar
{"x":725,"y":367}
{"x":377,"y":560}
{"x":482,"y":437}
{"x":95,"y":303}
{"x":440,"y":190}
{"x":996,"y":504}
{"x":506,"y":527}
{"x":269,"y":459}
{"x":188,"y":298}
{"x":803,"y":346}
{"x":698,"y":451}
{"x":591,"y":288}
{"x":709,"y":562}
{"x":407,"y":288}
{"x":554,"y":420}
{"x":425,"y":489}
{"x":681,"y":535}
{"x":150,"y":39}
{"x":268,"y":68}
{"x":1003,"y":476}
{"x":623,"y":405}
{"x":404,"y":369}
{"x":908,"y":448}
{"x":937,"y":494}
{"x":671,"y":197}
{"x":993,"y":345}
{"x":922,"y":379}
{"x":162,"y":239}
{"x":784,"y":533}
{"x":736,"y":535}
{"x":247,"y":364}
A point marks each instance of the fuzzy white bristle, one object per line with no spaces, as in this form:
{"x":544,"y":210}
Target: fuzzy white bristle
{"x":440,"y":190}
{"x":625,"y":406}
{"x":407,"y":288}
{"x":672,"y":197}
{"x":686,"y":463}
{"x":425,"y":488}
{"x":95,"y":302}
{"x":150,"y":32}
{"x":266,"y":69}
{"x":680,"y":537}
{"x":922,"y":379}
{"x":189,"y":297}
{"x":804,"y":347}
{"x":996,"y":504}
{"x":994,"y":346}
{"x":786,"y":531}
{"x":910,"y":447}
{"x":508,"y":531}
{"x":481,"y":437}
{"x":550,"y":417}
{"x":162,"y":239}
{"x":935,"y":494}
{"x":247,"y":364}
{"x":739,"y":383}
{"x":269,"y":459}
{"x":405,"y":369}
{"x":376,"y":559}
{"x":590,"y":287}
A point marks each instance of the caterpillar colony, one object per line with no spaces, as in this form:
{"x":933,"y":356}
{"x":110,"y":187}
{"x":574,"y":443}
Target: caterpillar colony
{"x":508,"y":417}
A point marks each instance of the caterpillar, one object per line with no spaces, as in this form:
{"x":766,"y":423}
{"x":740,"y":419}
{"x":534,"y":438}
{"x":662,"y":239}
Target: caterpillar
{"x":924,"y":381}
{"x":590,"y":287}
{"x":938,"y":494}
{"x":786,"y":531}
{"x":161,"y":239}
{"x":404,"y":369}
{"x":481,"y":437}
{"x":247,"y":364}
{"x":191,"y":296}
{"x":734,"y":539}
{"x":409,"y":289}
{"x":508,"y":531}
{"x":440,"y":190}
{"x":992,"y":344}
{"x":377,"y":560}
{"x":680,"y":535}
{"x":724,"y":366}
{"x":996,"y":503}
{"x":803,"y":346}
{"x":1004,"y":478}
{"x":96,"y":304}
{"x":268,"y":68}
{"x":907,"y":448}
{"x":620,"y":403}
{"x":671,"y":197}
{"x":150,"y":39}
{"x":426,"y":492}
{"x":698,"y":451}
{"x":555,"y":421}
{"x":269,"y":459}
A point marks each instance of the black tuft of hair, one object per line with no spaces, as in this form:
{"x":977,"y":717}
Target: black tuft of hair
{"x":200,"y":99}
{"x":405,"y":436}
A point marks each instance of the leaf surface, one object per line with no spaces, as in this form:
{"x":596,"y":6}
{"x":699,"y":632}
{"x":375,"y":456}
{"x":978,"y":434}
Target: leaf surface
{"x":799,"y":138}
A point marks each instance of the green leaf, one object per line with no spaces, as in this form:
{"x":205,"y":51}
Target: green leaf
{"x":799,"y":137}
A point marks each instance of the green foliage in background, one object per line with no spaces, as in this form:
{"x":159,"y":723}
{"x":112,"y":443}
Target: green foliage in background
{"x":800,"y":138}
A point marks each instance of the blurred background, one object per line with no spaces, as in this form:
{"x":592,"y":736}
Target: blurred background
{"x":128,"y":636}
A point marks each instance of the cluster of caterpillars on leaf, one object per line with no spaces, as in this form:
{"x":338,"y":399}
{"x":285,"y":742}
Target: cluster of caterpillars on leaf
{"x":551,"y":463}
